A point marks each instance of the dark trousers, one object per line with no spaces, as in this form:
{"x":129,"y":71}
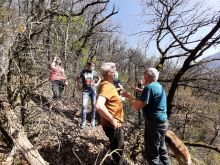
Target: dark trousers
{"x":154,"y":142}
{"x":57,"y":88}
{"x":116,"y":138}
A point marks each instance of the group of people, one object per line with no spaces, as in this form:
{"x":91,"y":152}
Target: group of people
{"x":107,"y":102}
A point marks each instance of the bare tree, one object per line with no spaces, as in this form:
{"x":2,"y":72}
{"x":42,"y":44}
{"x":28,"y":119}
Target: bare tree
{"x":183,"y":31}
{"x":176,"y":30}
{"x":32,"y":32}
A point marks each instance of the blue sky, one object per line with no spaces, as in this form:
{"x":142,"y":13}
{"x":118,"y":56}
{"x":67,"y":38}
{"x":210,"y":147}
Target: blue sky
{"x":129,"y":20}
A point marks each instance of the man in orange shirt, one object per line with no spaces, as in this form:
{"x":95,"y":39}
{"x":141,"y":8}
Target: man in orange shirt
{"x":110,"y":109}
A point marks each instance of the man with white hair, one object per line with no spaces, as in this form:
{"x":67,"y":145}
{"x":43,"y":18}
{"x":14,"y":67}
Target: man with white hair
{"x":154,"y":106}
{"x":110,"y":109}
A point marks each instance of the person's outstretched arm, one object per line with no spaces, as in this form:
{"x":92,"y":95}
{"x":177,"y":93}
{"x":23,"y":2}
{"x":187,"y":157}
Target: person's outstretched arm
{"x":136,"y":104}
{"x":138,"y":90}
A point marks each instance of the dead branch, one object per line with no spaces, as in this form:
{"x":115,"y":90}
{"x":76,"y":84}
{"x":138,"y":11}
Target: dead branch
{"x":20,"y":140}
{"x":203,"y":145}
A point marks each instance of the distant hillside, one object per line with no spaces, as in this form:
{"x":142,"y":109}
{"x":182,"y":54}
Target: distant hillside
{"x":213,"y":64}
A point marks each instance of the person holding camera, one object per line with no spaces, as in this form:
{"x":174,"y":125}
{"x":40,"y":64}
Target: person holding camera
{"x":57,"y":78}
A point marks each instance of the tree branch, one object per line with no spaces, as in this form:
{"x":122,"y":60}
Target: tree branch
{"x":203,"y":145}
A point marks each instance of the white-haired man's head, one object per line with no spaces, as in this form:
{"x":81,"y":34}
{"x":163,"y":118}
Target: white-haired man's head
{"x":111,"y":63}
{"x":107,"y":67}
{"x":153,"y":73}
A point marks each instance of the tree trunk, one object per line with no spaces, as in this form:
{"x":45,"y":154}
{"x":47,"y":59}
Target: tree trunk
{"x":20,"y":140}
{"x":178,"y":148}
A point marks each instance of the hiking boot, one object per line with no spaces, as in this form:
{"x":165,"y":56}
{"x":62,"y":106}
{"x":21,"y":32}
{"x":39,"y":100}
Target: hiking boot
{"x":93,"y":123}
{"x":83,"y":126}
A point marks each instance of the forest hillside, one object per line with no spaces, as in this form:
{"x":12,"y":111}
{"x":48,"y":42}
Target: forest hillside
{"x":33,"y":32}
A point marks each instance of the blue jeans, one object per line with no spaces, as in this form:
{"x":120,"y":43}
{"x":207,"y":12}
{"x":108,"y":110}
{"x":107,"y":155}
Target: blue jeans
{"x":154,"y":142}
{"x":86,"y":95}
{"x":116,"y":138}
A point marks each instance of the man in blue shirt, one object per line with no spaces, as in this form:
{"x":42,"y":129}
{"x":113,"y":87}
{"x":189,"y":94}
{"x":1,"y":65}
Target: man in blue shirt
{"x":154,"y":106}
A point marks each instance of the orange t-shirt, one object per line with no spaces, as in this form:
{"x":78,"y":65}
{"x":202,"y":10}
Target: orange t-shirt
{"x":113,"y":102}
